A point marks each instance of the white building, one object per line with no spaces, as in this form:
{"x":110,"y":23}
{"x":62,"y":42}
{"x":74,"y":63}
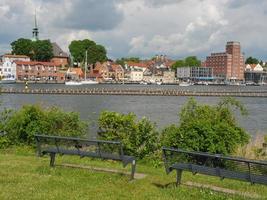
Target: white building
{"x":136,"y":75}
{"x":8,"y":67}
{"x":254,"y":67}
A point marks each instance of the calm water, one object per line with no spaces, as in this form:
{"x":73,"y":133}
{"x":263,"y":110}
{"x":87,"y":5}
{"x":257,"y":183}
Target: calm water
{"x":160,"y":109}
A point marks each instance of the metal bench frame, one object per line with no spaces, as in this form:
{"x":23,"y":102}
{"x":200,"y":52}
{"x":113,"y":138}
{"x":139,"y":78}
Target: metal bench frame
{"x":78,"y":143}
{"x":214,"y":171}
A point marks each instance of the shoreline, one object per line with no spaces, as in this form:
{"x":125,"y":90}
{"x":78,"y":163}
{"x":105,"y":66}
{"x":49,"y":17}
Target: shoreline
{"x":134,"y":92}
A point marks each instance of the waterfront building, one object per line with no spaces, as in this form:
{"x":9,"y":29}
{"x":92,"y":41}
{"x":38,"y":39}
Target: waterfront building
{"x":254,"y":67}
{"x":229,"y":64}
{"x":8,"y":66}
{"x":39,"y":71}
{"x":195,"y":73}
{"x":108,"y":71}
{"x":168,"y":77}
{"x":59,"y":56}
{"x":136,"y":75}
{"x":259,"y":77}
{"x":74,"y":74}
{"x":254,"y":74}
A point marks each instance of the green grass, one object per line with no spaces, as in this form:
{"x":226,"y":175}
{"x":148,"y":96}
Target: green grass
{"x":25,"y":176}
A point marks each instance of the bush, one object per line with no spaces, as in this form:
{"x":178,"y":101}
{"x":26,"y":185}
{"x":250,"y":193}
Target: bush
{"x":22,"y":125}
{"x":139,"y":138}
{"x":207,"y":128}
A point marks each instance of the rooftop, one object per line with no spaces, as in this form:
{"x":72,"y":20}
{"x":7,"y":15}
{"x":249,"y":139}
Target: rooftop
{"x":35,"y":63}
{"x":58,"y":52}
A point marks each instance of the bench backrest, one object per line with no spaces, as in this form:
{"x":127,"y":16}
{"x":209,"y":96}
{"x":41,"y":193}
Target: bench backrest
{"x":216,"y":165}
{"x":78,"y":145}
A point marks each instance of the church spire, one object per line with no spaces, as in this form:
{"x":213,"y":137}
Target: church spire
{"x":35,"y":31}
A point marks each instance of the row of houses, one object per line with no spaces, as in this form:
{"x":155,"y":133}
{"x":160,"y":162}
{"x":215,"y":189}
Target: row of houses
{"x":21,"y":68}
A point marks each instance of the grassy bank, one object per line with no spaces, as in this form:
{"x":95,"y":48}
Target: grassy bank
{"x":25,"y":176}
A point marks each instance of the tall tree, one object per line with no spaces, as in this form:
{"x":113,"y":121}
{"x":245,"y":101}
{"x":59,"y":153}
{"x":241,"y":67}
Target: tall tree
{"x":251,"y":60}
{"x":95,"y":52}
{"x":22,"y":46}
{"x":40,"y":50}
{"x":122,"y":61}
{"x":192,"y":61}
{"x":178,"y":63}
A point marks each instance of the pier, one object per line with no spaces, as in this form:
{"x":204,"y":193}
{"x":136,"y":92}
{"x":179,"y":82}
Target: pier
{"x":137,"y":92}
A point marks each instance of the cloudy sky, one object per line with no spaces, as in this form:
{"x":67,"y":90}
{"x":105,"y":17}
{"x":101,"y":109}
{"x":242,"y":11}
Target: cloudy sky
{"x":141,"y":28}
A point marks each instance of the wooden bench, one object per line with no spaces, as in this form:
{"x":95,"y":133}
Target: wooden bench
{"x":109,"y":150}
{"x":214,"y":165}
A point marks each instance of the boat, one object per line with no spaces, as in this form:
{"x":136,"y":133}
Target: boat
{"x":184,"y":84}
{"x":87,"y":81}
{"x":8,"y":80}
{"x":143,"y":83}
{"x":73,"y":83}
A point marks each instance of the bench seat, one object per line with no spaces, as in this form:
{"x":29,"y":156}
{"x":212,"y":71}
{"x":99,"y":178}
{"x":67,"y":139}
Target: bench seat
{"x":108,"y":150}
{"x":214,"y":165}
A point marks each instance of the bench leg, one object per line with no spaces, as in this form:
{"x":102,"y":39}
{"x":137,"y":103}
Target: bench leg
{"x":133,"y":169}
{"x":178,"y":176}
{"x":52,"y":159}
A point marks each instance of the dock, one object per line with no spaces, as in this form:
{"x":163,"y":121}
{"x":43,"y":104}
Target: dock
{"x":135,"y":92}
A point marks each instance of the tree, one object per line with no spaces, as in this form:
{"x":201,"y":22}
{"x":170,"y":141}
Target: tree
{"x":21,"y":125}
{"x":123,"y":61}
{"x":40,"y":50}
{"x":95,"y":52}
{"x":207,"y":128}
{"x":178,"y":63}
{"x":139,"y":137}
{"x":22,"y":47}
{"x":192,"y":61}
{"x":251,"y":60}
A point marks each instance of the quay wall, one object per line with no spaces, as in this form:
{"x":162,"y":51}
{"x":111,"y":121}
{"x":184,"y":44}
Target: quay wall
{"x":138,"y":92}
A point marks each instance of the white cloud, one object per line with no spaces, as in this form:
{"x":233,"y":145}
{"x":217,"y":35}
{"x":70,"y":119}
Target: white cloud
{"x":197,"y":36}
{"x":141,"y":27}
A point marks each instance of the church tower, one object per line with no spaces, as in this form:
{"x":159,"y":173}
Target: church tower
{"x":35,"y":31}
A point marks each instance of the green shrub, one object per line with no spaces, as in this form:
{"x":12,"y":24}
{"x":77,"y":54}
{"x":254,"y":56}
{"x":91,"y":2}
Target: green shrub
{"x":22,"y":125}
{"x":139,"y":137}
{"x":207,"y":128}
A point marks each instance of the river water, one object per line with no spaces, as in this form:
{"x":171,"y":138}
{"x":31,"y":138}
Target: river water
{"x":163,"y":110}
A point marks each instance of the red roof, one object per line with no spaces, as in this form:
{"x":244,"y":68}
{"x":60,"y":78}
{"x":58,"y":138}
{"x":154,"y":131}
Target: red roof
{"x":141,"y":64}
{"x":36,"y":63}
{"x":116,"y":67}
{"x":15,"y":56}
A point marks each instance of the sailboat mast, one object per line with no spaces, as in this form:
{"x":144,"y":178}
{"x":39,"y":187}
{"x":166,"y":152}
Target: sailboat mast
{"x":85,"y":67}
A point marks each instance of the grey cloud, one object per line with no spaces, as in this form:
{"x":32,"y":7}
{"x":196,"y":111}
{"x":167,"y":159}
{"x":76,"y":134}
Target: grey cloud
{"x":240,"y":3}
{"x":159,"y":3}
{"x":92,"y":15}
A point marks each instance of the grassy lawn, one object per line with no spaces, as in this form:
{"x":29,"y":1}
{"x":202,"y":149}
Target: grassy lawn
{"x":25,"y":176}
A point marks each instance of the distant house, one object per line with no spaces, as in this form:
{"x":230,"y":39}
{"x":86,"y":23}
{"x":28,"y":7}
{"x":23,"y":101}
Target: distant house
{"x":255,"y":73}
{"x":108,"y":71}
{"x":60,"y":57}
{"x":8,"y":66}
{"x":39,"y":71}
{"x":136,"y":75}
{"x":254,"y":67}
{"x":168,"y":77}
{"x":74,"y":74}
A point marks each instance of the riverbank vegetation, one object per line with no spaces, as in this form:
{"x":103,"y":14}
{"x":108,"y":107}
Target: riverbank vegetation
{"x":201,"y":128}
{"x":207,"y":128}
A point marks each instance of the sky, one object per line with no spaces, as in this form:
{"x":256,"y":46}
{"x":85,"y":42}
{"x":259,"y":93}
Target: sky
{"x":141,"y":28}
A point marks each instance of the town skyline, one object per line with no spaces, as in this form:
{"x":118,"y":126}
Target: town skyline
{"x":124,"y":33}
